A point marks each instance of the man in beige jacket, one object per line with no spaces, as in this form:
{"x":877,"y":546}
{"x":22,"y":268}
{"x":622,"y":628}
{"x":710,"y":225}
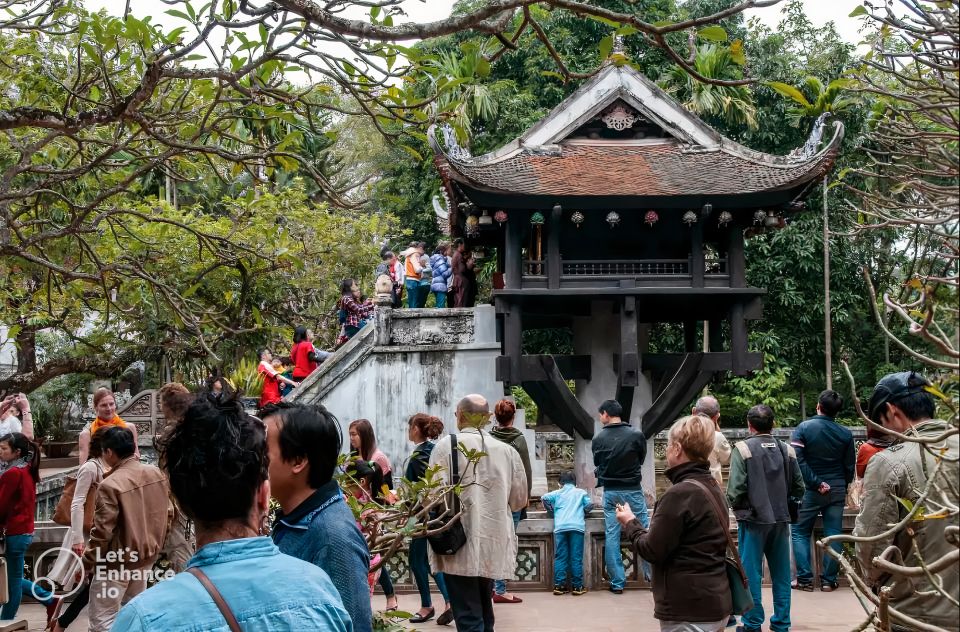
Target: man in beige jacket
{"x":130,"y":524}
{"x":709,"y":407}
{"x":492,"y":490}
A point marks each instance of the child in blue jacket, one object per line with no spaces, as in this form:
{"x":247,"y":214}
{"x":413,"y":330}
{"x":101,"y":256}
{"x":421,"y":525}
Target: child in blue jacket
{"x":569,"y":505}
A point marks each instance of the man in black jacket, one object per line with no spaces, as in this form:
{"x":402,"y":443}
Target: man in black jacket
{"x":618,"y":453}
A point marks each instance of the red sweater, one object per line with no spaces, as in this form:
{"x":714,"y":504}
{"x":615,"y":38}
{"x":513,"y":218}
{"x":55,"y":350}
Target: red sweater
{"x":18,"y":501}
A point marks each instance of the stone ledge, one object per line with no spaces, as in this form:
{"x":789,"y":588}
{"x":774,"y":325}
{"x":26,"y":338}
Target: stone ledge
{"x":472,"y":346}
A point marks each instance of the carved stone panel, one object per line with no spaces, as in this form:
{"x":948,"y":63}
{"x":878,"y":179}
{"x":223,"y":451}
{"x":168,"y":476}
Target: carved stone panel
{"x":431,"y":331}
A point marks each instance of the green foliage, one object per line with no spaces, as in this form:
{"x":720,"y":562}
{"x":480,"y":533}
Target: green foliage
{"x":769,"y":385}
{"x":246,"y":378}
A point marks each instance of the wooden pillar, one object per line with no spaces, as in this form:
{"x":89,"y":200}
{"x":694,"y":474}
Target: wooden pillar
{"x":696,"y":255}
{"x":512,"y":342}
{"x":629,"y":354}
{"x":690,"y":336}
{"x":735,"y":257}
{"x":513,"y":260}
{"x":553,"y":248}
{"x":738,"y":340}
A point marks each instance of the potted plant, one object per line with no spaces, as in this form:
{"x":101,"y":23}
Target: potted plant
{"x":248,"y":381}
{"x":51,"y":425}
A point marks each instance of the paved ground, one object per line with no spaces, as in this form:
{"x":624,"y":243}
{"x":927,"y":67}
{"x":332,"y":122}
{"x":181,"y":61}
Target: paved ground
{"x":602,"y":612}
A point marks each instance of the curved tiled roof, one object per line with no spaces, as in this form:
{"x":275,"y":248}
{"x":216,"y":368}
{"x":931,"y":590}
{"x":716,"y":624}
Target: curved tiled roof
{"x":658,"y":169}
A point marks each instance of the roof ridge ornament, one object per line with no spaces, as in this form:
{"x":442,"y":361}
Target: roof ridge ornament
{"x":619,"y":116}
{"x":454,"y":149}
{"x":809,"y":148}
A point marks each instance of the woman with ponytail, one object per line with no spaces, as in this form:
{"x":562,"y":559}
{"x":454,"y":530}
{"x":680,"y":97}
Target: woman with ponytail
{"x":18,"y":504}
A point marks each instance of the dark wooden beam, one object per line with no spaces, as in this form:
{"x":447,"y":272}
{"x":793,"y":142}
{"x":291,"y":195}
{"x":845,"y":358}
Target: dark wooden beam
{"x":553,"y":248}
{"x":735,"y":258}
{"x":513,"y":261}
{"x":512,"y":344}
{"x":571,"y":367}
{"x":697,"y":265}
{"x":716,"y":336}
{"x":558,"y":402}
{"x":629,"y":369}
{"x":713,"y":361}
{"x":738,"y":340}
{"x":690,"y":336}
{"x":687,"y":381}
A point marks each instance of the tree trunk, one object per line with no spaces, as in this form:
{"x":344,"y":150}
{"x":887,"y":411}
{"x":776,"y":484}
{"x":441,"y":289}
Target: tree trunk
{"x":26,"y":350}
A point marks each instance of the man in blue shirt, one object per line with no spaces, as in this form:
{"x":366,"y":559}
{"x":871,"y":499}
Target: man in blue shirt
{"x":315,"y":524}
{"x":827,"y":457}
{"x":216,"y":460}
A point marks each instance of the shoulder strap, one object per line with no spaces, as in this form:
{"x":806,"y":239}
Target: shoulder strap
{"x":786,"y":468}
{"x":724,"y":518}
{"x":455,"y":470}
{"x":217,"y":598}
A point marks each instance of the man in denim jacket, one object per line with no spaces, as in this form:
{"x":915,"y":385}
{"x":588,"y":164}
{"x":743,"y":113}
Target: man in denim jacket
{"x":315,"y":524}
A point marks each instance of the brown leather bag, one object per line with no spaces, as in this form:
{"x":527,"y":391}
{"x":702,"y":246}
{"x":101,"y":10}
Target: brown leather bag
{"x":61,"y":514}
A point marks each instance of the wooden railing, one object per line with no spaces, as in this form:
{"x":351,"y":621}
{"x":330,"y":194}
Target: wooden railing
{"x":625,"y":268}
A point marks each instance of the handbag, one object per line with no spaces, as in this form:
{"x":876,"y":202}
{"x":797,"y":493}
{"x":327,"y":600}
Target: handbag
{"x":453,"y":536}
{"x":793,"y":504}
{"x":737,"y":578}
{"x":61,"y":515}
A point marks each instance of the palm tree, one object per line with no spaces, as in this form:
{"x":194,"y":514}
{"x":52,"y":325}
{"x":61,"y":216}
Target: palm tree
{"x":733,"y":104}
{"x":823,"y":99}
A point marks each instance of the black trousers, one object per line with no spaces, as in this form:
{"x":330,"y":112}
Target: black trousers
{"x":472,"y":601}
{"x":80,"y":600}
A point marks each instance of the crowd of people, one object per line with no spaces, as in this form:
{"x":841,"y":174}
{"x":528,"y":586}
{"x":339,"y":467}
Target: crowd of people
{"x":449,"y":274}
{"x":206,"y":505}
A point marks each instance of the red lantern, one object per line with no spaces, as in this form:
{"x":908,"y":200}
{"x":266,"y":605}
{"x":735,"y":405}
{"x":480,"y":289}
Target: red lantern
{"x":500,"y":217}
{"x":651,"y":218}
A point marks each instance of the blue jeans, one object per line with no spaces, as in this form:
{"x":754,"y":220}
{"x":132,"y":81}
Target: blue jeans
{"x":413,"y":292}
{"x":568,"y":556}
{"x":17,"y":546}
{"x":612,"y":556}
{"x":420,"y":566}
{"x":831,"y":506}
{"x":500,"y":585}
{"x":440,"y":298}
{"x":772,"y":541}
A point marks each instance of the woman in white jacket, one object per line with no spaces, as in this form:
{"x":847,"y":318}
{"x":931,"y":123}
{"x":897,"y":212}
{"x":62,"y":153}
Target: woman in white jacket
{"x":67,"y":565}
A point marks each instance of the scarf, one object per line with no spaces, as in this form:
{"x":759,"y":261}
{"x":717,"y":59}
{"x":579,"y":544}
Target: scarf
{"x":18,"y":462}
{"x":100,"y":423}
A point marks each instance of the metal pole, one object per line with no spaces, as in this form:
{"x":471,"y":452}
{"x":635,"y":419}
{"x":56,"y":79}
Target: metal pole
{"x":827,"y":333}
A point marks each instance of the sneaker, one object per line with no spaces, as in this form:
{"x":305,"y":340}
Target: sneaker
{"x":829,"y":586}
{"x":732,"y":621}
{"x":579,"y":590}
{"x":560,"y":590}
{"x":616,"y":591}
{"x":743,"y":628}
{"x":804,"y":586}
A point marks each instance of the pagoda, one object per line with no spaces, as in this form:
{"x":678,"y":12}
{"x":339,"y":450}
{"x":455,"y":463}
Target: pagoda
{"x":618,"y":210}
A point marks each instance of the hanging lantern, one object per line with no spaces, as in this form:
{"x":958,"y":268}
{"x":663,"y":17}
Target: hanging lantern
{"x":725,"y":218}
{"x":500,"y":217}
{"x":689,"y":218}
{"x":485,"y":219}
{"x":577,"y":218}
{"x":651,"y":218}
{"x":613,"y":218}
{"x":473,"y":225}
{"x":537,"y":219}
{"x":759,"y":216}
{"x":771,"y":220}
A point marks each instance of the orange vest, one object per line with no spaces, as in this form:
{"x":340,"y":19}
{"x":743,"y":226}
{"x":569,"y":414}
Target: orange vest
{"x":409,"y":271}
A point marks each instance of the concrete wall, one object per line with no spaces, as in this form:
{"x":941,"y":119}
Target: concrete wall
{"x":409,"y":361}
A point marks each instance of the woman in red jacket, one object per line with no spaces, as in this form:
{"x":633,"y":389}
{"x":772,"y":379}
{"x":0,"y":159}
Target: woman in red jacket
{"x":303,"y":354}
{"x":18,"y":502}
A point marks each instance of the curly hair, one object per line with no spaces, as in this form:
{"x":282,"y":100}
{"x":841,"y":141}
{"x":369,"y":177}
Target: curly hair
{"x":428,"y":426}
{"x":505,"y":411}
{"x":216,"y":459}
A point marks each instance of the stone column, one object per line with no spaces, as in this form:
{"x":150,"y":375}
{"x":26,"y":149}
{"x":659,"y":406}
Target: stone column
{"x":598,"y":337}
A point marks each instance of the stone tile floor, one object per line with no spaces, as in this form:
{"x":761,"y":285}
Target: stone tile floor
{"x":600,"y":612}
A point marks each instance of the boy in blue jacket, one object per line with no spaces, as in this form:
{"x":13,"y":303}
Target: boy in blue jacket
{"x":569,"y":505}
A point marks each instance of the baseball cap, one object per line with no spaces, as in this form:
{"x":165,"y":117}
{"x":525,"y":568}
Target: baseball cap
{"x":893,"y":387}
